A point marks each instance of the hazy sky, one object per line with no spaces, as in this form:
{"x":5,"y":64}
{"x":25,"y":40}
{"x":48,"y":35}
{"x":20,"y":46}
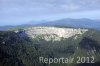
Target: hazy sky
{"x":23,"y":11}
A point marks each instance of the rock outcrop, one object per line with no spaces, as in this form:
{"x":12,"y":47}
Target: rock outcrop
{"x":55,"y":33}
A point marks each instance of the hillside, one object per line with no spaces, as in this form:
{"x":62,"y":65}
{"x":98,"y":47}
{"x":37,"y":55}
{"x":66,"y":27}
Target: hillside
{"x":24,"y":47}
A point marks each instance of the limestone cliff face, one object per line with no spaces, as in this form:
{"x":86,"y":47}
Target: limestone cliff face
{"x":54,"y":33}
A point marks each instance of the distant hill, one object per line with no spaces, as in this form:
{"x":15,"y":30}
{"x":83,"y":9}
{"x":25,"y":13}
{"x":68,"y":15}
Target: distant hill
{"x":29,"y":24}
{"x":77,"y":23}
{"x":14,"y":27}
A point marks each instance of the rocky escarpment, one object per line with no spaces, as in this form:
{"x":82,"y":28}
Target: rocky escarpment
{"x":55,"y":33}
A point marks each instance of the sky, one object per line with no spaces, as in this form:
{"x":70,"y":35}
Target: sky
{"x":14,"y":12}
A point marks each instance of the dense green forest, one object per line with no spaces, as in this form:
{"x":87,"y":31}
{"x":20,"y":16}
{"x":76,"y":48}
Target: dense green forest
{"x":17,"y":49}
